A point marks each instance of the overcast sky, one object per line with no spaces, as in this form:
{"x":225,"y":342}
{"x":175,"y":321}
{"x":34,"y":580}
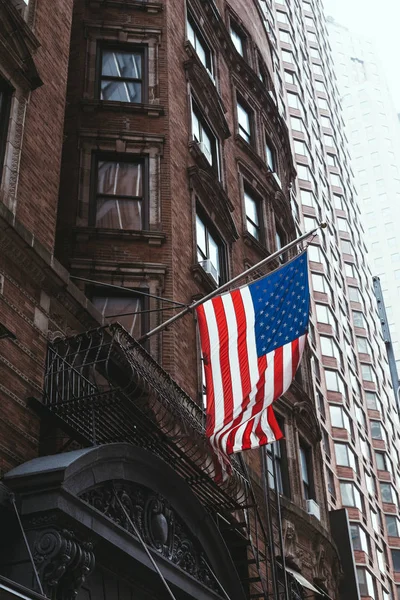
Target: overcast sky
{"x":379,"y":21}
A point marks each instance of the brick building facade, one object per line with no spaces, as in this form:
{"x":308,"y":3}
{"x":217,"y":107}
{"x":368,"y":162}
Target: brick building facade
{"x":144,"y":158}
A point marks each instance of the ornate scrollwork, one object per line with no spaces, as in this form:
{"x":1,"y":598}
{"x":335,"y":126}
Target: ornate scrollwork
{"x":63,"y":562}
{"x":157,"y":523}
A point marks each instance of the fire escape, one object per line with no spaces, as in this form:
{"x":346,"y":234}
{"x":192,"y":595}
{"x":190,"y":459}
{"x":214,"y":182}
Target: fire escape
{"x":102,"y":387}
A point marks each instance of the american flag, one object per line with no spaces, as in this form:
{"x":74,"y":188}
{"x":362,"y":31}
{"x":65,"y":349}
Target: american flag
{"x":252,"y":340}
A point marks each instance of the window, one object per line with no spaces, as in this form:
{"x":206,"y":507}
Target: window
{"x":365,"y":583}
{"x":368,"y":373}
{"x":123,"y":75}
{"x":396,"y":560}
{"x":339,"y":417}
{"x":244,"y":122}
{"x":319,"y":285}
{"x":307,"y":197}
{"x":377,"y":431}
{"x":349,"y":270}
{"x":392,"y":525}
{"x":280,"y":243}
{"x":345,"y":456}
{"x":297,"y":124}
{"x":293,"y":100}
{"x":270,"y":155}
{"x":334,"y":382}
{"x":203,"y":135}
{"x":123,"y":308}
{"x":363,"y":344}
{"x":303,"y":172}
{"x":346,"y":247}
{"x":359,"y":538}
{"x":358,"y":319}
{"x":380,"y":460}
{"x":209,"y":250}
{"x":335,"y":180}
{"x":238,"y":39}
{"x":282,"y":17}
{"x":5,"y":102}
{"x":198,"y":42}
{"x":280,"y":466}
{"x":371,"y":400}
{"x":350,"y":495}
{"x":121,"y":193}
{"x":387,"y":493}
{"x":252,"y":215}
{"x":306,"y":471}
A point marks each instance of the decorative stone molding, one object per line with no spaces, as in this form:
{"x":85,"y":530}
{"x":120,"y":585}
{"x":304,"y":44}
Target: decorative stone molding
{"x":215,"y":200}
{"x":160,"y":527}
{"x":292,"y":554}
{"x":64,"y":563}
{"x":206,"y":93}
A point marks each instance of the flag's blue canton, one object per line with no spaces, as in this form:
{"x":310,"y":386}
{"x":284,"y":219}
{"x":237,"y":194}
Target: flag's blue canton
{"x":281,"y":305}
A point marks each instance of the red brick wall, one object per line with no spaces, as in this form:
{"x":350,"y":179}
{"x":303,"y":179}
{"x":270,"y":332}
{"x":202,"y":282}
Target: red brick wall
{"x":41,"y":150}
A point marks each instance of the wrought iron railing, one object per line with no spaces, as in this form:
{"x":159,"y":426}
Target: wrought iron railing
{"x":107,"y":388}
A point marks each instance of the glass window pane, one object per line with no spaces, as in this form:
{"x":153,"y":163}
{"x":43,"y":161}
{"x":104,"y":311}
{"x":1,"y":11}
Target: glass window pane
{"x":392,"y":525}
{"x":122,"y":64}
{"x":117,"y":213}
{"x":121,"y":91}
{"x":251,"y":208}
{"x":113,"y":306}
{"x":213,"y":252}
{"x":119,"y":178}
{"x":237,"y":42}
{"x":201,"y":238}
{"x":244,"y":121}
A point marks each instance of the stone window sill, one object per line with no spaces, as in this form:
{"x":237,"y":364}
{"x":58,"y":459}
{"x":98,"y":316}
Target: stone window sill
{"x":153,"y":238}
{"x":152,"y":110}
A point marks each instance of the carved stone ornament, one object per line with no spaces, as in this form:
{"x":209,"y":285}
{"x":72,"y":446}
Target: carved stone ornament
{"x":291,"y":549}
{"x":63,"y":562}
{"x":321,"y":569}
{"x":157,"y":523}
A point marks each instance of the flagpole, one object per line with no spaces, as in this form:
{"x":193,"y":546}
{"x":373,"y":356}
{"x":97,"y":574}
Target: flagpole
{"x":228,"y":284}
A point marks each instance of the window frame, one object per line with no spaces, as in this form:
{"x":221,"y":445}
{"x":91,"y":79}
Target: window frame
{"x":98,"y":155}
{"x":306,"y":464}
{"x":214,"y":139}
{"x":203,"y":43}
{"x":235,"y":28}
{"x":93,"y":291}
{"x":215,"y":235}
{"x":5,"y":111}
{"x":123,"y":47}
{"x":250,"y":113}
{"x":254,"y":197}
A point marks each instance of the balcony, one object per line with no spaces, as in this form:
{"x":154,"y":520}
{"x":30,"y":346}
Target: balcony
{"x":102,"y":387}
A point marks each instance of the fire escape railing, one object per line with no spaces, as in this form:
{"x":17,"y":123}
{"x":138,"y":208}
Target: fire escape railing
{"x":103,"y":387}
{"x":107,"y":388}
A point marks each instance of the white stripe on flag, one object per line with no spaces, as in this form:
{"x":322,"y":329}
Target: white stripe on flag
{"x":215,"y":364}
{"x":250,"y":335}
{"x":287,"y":365}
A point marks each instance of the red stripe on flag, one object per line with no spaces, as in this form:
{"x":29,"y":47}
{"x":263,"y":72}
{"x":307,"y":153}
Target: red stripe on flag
{"x":259,"y":401}
{"x":273,"y":423}
{"x":206,"y":350}
{"x":257,"y":407}
{"x":223,"y":336}
{"x":278,"y":372}
{"x":241,"y":324}
{"x":295,"y":356}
